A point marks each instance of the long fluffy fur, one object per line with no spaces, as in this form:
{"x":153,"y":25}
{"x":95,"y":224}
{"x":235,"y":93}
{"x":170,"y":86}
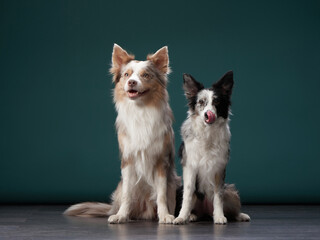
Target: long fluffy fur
{"x":89,"y":209}
{"x":205,"y":153}
{"x":146,"y":142}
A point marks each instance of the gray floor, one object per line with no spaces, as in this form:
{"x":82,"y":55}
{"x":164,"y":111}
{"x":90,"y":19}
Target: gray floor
{"x":268,"y":222}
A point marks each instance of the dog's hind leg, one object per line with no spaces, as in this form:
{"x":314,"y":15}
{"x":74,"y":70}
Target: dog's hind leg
{"x":171,"y":198}
{"x":193,"y":217}
{"x":232,"y":204}
{"x":243,"y":217}
{"x":123,"y":214}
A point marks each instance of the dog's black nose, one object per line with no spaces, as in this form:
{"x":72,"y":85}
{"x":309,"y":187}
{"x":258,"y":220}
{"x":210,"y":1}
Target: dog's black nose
{"x":132,"y":83}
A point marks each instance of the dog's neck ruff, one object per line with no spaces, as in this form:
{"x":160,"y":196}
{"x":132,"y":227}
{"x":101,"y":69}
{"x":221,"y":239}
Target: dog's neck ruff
{"x":143,"y":126}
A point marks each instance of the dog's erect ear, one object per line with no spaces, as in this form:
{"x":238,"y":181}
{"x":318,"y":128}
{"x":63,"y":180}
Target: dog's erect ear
{"x":190,"y":86}
{"x":119,"y":57}
{"x":225,"y":84}
{"x":160,"y":60}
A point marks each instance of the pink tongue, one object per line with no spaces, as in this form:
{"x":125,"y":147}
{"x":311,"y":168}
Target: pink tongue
{"x":133,"y":94}
{"x":211,"y":117}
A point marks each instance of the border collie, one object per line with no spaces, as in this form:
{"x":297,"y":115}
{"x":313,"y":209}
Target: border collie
{"x":148,"y":186}
{"x":205,"y":153}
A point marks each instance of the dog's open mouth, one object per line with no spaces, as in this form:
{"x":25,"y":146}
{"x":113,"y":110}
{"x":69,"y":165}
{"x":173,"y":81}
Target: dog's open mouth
{"x":210,"y":117}
{"x":134,"y":93}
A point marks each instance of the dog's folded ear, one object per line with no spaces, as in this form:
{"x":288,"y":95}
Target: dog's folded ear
{"x":190,"y":86}
{"x":160,"y":60}
{"x":225,"y":84}
{"x":119,"y":57}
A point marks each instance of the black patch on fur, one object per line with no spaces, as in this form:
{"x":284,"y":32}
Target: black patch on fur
{"x":224,"y":175}
{"x":191,"y":88}
{"x":181,"y":149}
{"x":179,"y":197}
{"x":192,"y":103}
{"x":199,"y":194}
{"x":221,"y":103}
{"x":223,"y":90}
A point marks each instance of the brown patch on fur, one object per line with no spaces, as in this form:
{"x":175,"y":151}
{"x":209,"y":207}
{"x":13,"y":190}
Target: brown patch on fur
{"x":156,"y":84}
{"x":119,"y":93}
{"x":146,"y":74}
{"x":119,"y":58}
{"x":160,"y":167}
{"x":164,"y":160}
{"x":144,"y":207}
{"x":129,"y":71}
{"x":120,"y":140}
{"x":160,"y":60}
{"x":167,"y":142}
{"x":231,"y":202}
{"x":217,"y":181}
{"x":126,"y":162}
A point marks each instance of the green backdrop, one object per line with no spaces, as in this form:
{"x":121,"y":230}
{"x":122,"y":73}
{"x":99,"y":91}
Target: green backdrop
{"x":58,"y":141}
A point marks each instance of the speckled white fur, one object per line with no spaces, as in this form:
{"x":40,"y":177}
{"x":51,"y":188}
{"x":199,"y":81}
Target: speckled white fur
{"x":206,"y":155}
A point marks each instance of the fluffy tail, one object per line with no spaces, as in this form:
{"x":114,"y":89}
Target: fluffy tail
{"x":231,"y":201}
{"x":89,"y":209}
{"x":232,"y":204}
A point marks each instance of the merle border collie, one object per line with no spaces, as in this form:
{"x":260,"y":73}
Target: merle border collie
{"x":148,"y":186}
{"x":205,"y":153}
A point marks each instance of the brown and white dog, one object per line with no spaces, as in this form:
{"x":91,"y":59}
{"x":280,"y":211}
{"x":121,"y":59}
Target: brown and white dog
{"x":146,"y":141}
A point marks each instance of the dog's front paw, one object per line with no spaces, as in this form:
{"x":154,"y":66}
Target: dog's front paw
{"x":220,"y":219}
{"x":113,"y":219}
{"x":166,"y":219}
{"x":180,"y":221}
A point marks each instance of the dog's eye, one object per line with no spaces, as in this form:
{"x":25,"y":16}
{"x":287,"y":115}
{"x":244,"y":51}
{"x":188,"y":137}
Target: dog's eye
{"x":145,"y":75}
{"x":215,"y":101}
{"x":201,"y":102}
{"x":126,"y":74}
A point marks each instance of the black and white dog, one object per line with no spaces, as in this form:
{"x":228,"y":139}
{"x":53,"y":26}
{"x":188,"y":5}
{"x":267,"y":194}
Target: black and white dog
{"x":205,"y":153}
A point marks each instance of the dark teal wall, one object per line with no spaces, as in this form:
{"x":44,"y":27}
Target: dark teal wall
{"x":57,"y":135}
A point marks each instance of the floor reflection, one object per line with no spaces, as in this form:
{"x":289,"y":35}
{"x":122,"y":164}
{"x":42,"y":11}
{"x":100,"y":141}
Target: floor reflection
{"x":152,"y":230}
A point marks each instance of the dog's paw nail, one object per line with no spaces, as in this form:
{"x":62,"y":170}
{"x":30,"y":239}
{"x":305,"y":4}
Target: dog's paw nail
{"x":179,"y":221}
{"x":193,"y":218}
{"x":220,"y":220}
{"x":117,"y":219}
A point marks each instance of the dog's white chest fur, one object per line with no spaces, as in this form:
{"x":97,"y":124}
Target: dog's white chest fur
{"x":206,"y":146}
{"x":144,"y":129}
